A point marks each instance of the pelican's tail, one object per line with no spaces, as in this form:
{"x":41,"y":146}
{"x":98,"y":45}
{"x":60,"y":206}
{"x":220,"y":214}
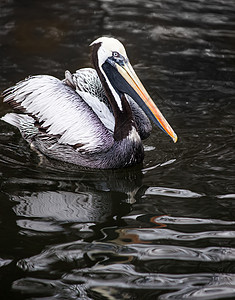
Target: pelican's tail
{"x":23,"y":122}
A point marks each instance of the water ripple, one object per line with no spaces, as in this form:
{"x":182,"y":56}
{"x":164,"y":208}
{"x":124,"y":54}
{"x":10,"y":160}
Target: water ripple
{"x":5,"y":262}
{"x":226,"y":196}
{"x":192,"y":286}
{"x":100,"y":252}
{"x":186,"y":221}
{"x":151,"y":234}
{"x":170,"y":192}
{"x":61,"y":206}
{"x":107,"y":280}
{"x":212,"y":254}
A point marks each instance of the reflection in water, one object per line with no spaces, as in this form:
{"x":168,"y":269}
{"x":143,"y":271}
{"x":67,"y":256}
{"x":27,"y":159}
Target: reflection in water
{"x":108,"y":265}
{"x":164,"y":230}
{"x":88,"y":201}
{"x":63,"y":206}
{"x":110,"y":273}
{"x":126,"y":279}
{"x":122,"y":256}
{"x":172,"y":192}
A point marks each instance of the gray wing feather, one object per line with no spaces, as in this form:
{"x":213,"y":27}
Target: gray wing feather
{"x":87,"y":84}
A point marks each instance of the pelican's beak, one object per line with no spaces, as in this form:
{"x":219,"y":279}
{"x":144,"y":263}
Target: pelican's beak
{"x":150,"y":108}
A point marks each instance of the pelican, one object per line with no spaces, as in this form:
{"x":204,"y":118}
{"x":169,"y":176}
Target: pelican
{"x":93,"y":118}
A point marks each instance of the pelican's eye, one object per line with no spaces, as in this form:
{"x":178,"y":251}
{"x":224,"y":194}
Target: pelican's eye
{"x":118,"y":58}
{"x":116,"y":54}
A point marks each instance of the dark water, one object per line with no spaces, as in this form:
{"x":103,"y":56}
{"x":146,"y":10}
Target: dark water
{"x":163,"y":230}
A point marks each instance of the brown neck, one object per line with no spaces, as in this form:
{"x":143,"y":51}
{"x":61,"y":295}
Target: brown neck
{"x":123,"y":118}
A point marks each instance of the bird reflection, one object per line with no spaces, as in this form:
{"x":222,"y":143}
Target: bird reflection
{"x":84,"y":198}
{"x":63,"y":206}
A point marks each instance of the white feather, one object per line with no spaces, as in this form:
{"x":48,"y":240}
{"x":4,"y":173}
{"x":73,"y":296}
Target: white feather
{"x":100,"y":109}
{"x":62,"y":112}
{"x":17,"y":120}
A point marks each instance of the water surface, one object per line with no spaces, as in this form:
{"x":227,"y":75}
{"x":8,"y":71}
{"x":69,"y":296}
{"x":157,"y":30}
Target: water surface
{"x":161,"y":230}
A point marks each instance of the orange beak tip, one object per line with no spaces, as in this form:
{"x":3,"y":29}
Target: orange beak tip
{"x":175,"y":138}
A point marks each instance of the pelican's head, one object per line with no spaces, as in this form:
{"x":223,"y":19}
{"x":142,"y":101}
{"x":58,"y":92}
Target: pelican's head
{"x":112,"y":61}
{"x":109,"y":47}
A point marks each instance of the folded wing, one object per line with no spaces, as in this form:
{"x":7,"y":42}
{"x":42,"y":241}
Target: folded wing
{"x":61,"y":112}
